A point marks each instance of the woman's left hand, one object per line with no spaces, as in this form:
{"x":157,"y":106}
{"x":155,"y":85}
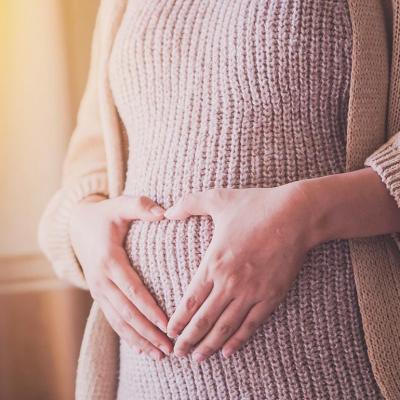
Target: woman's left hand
{"x":261,"y":237}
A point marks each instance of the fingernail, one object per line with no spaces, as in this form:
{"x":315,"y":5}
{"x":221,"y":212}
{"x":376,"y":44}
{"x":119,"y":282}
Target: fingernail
{"x":199,"y":357}
{"x":165,"y":350}
{"x":157,"y":210}
{"x":179,"y":353}
{"x":172,"y":334}
{"x":160,"y":326}
{"x":227,"y":353}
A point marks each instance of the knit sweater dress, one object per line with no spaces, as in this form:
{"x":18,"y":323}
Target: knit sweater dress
{"x":237,"y":94}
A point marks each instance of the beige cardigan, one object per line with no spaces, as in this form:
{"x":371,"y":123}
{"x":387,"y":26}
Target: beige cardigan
{"x":96,"y":163}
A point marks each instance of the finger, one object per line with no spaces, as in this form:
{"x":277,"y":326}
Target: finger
{"x":196,"y":203}
{"x":202,"y":322}
{"x":197,"y":291}
{"x":137,"y":207}
{"x":256,"y":316}
{"x":116,"y":323}
{"x":127,"y":333}
{"x":131,"y":315}
{"x":128,"y":281}
{"x":229,"y":321}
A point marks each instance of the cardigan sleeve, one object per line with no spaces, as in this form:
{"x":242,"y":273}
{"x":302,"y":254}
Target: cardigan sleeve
{"x":385,"y":161}
{"x":84,"y":172}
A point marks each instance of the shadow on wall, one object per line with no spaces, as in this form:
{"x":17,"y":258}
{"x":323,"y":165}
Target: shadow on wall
{"x":45,"y":50}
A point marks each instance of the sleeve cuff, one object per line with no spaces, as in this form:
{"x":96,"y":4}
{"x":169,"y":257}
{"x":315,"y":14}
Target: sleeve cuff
{"x":385,"y":161}
{"x":53,"y":229}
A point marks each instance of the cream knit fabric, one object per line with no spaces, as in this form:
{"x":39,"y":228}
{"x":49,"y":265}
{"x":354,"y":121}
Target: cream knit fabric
{"x":239,"y":94}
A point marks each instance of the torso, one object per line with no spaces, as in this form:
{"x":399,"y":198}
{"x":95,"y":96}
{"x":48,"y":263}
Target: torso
{"x":239,"y":94}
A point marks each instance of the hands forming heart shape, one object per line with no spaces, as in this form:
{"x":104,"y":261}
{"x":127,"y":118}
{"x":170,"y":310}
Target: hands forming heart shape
{"x":260,"y":239}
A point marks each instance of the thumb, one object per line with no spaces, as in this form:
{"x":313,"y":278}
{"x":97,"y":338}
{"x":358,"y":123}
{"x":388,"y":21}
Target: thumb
{"x":138,"y":207}
{"x":197,"y":203}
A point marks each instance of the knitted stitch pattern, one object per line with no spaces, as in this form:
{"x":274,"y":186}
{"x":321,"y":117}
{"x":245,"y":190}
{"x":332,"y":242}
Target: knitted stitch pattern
{"x":239,"y":94}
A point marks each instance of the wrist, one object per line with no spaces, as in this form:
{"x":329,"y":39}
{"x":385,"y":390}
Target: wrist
{"x":320,"y":202}
{"x":338,"y":202}
{"x":91,"y":198}
{"x":347,"y":205}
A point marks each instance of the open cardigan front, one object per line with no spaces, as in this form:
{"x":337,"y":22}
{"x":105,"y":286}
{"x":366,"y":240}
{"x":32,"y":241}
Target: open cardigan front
{"x":96,"y":163}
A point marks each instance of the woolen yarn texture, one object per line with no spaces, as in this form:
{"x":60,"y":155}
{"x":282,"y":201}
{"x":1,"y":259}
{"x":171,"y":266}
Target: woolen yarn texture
{"x":239,"y":94}
{"x":96,"y":162}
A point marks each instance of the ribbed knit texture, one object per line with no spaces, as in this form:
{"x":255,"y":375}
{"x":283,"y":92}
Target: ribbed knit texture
{"x":239,"y":94}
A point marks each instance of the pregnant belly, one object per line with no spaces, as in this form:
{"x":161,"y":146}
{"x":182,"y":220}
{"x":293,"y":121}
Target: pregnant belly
{"x":315,"y":333}
{"x":166,"y":255}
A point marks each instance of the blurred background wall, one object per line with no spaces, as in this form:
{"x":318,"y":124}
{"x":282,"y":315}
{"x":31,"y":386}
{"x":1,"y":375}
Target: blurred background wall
{"x":44,"y":55}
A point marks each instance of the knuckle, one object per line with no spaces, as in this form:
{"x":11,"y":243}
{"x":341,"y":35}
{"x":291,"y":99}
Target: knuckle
{"x":127,"y":314}
{"x":232,"y":282}
{"x":202,"y":323}
{"x":217,"y":262}
{"x":177,"y":327}
{"x":133,"y":291}
{"x":190,"y":303}
{"x":222,"y":261}
{"x":142,"y":201}
{"x":252,"y":325}
{"x":225,"y":329}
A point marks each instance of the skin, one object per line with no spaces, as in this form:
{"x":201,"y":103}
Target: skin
{"x":98,"y":227}
{"x":246,"y":272}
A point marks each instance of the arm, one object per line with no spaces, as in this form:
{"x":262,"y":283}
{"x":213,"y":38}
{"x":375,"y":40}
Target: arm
{"x":351,"y":205}
{"x":361,"y":203}
{"x":260,"y":260}
{"x":84,"y":173}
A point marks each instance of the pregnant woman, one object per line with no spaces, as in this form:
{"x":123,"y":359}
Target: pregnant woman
{"x":210,"y":211}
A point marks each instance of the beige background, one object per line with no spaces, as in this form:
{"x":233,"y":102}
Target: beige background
{"x":44,"y":55}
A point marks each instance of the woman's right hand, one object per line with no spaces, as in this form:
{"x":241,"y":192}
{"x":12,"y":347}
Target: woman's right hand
{"x":98,"y":227}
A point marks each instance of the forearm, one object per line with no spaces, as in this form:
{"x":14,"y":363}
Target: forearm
{"x":350,"y":205}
